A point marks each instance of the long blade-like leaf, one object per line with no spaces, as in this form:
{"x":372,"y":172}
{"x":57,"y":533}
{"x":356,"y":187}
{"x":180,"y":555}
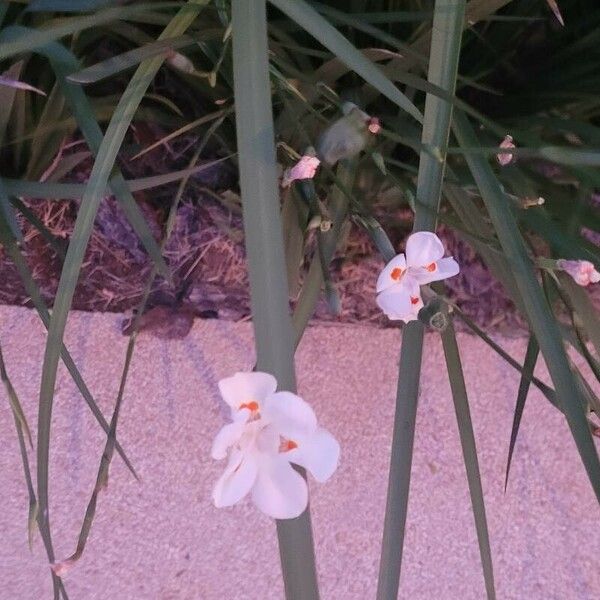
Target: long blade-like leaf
{"x":543,"y":323}
{"x":41,"y":37}
{"x":531,"y":356}
{"x":22,"y":433}
{"x":101,"y":171}
{"x":33,"y":291}
{"x":264,"y":245}
{"x":469,"y":449}
{"x":63,"y":63}
{"x":110,"y":445}
{"x":331,"y":38}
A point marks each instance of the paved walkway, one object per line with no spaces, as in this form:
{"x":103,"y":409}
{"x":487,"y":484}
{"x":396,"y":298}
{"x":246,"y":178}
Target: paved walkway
{"x":161,"y":539}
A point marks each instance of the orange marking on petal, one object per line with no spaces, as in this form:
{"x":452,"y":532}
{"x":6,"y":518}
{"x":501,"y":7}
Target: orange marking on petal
{"x":414,"y":300}
{"x":251,"y":406}
{"x":396,"y":273}
{"x":287,"y":445}
{"x":431,"y":267}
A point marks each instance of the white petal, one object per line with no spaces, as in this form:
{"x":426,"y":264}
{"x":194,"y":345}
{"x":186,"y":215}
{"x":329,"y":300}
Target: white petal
{"x":289,"y":413}
{"x":319,"y":454}
{"x":401,"y":302}
{"x":395,"y":267}
{"x":227,"y":437}
{"x":242,"y":388}
{"x":237,"y":480}
{"x":444,"y":268}
{"x":268,"y":439}
{"x":423,"y":248}
{"x":279,"y":491}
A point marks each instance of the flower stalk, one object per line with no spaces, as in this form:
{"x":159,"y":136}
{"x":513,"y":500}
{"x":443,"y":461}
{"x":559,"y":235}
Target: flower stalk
{"x":445,"y":49}
{"x":271,"y":318}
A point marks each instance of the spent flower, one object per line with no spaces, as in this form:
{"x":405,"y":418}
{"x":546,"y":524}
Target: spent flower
{"x":305,"y":168}
{"x":582,"y":271}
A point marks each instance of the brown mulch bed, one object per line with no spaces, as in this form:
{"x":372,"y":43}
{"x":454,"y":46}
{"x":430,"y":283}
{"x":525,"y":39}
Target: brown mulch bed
{"x":206,"y":256}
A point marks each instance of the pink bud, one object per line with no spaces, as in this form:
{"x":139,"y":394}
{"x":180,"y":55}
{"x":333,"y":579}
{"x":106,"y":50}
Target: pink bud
{"x":582,"y":271}
{"x":505,"y":158}
{"x":305,"y":168}
{"x":374,"y":125}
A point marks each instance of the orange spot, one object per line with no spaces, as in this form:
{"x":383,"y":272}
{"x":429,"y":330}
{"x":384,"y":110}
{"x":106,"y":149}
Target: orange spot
{"x":414,"y":300}
{"x":251,"y":406}
{"x":431,"y":267}
{"x":396,"y":273}
{"x":287,"y":445}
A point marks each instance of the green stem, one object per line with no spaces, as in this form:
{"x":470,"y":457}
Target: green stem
{"x":443,"y":67}
{"x":274,"y":337}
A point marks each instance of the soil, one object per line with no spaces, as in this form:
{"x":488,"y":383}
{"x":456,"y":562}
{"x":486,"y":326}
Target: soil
{"x":206,"y":256}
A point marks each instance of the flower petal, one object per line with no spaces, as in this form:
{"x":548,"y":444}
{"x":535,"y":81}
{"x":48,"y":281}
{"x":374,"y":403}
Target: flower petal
{"x":318,"y":453}
{"x":237,"y":480}
{"x":423,"y":248}
{"x":401,"y":302}
{"x":243,"y":388}
{"x":227,"y":437}
{"x":442,"y":269}
{"x":279,"y":491}
{"x":392,"y":273}
{"x":289,"y":414}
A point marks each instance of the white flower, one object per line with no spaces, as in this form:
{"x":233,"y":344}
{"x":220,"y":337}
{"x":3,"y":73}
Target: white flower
{"x":305,"y":168}
{"x":505,"y":158}
{"x":582,"y":271}
{"x":269,"y":431}
{"x":398,"y":284}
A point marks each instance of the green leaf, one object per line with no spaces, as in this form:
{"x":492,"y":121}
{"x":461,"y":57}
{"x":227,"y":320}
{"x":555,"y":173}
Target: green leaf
{"x":22,"y":433}
{"x":585,"y":310}
{"x":68,"y":5}
{"x":36,"y":298}
{"x":41,"y":37}
{"x":98,"y":181}
{"x":531,"y":356}
{"x":75,"y":191}
{"x":13,"y":399}
{"x":64,"y":62}
{"x":127,"y":60}
{"x":7,"y":97}
{"x":542,"y":321}
{"x":333,"y":40}
{"x":273,"y":332}
{"x":7,"y":212}
{"x":469,"y":449}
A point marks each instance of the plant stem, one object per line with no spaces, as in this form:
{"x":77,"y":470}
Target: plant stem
{"x":443,"y":67}
{"x":272,"y":322}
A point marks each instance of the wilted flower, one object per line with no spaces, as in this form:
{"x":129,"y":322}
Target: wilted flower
{"x":398,"y":284}
{"x":582,"y":271}
{"x":305,"y":168}
{"x":269,"y":431}
{"x":347,"y":136}
{"x":505,"y":158}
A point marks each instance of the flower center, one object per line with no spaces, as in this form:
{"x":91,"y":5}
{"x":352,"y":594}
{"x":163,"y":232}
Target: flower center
{"x":396,"y":273}
{"x":286,"y":445}
{"x":431,"y":267}
{"x":414,"y":300}
{"x":252,"y":406}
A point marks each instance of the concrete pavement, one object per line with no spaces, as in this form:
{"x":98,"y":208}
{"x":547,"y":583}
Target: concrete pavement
{"x":162,"y":539}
